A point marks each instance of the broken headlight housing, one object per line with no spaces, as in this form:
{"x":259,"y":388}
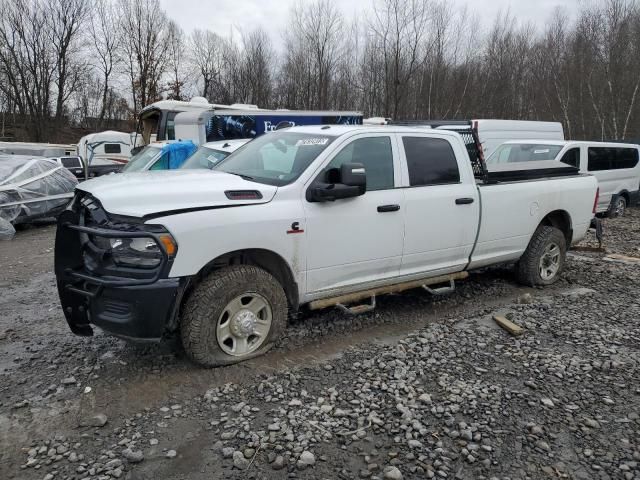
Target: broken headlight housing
{"x":137,"y":252}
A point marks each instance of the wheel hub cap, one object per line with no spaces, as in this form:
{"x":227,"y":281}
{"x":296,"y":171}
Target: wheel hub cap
{"x":550,"y":262}
{"x":243,"y":324}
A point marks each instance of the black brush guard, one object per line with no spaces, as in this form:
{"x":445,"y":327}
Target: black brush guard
{"x":137,"y":308}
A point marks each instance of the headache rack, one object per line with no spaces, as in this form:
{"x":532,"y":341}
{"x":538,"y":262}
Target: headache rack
{"x":469,"y":136}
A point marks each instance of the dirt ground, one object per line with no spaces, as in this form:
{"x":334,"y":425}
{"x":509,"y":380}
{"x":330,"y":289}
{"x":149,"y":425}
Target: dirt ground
{"x":423,"y":387}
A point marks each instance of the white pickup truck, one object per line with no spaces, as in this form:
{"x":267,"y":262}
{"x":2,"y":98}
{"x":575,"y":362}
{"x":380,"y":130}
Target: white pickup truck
{"x":306,"y":216}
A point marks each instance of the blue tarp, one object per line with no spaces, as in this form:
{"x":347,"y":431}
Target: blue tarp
{"x":178,"y":153}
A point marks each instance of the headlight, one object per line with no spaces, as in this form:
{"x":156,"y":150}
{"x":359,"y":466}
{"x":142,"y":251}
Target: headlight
{"x":137,"y":252}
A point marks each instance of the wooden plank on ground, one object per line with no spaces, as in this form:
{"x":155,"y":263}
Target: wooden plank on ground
{"x":508,"y":325}
{"x":616,"y":257}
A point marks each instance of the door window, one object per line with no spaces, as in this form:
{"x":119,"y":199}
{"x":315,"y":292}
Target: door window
{"x":431,"y":161}
{"x":375,"y":154}
{"x":626,"y":158}
{"x":572,"y":157}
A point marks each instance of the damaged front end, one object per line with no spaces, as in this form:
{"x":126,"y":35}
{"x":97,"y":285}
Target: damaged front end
{"x":113,"y":273}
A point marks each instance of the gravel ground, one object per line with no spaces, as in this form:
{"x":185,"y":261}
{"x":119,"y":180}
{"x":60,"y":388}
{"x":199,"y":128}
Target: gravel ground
{"x":424,"y":387}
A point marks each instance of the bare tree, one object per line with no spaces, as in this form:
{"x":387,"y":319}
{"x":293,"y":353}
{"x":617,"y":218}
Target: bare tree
{"x":66,"y":18}
{"x":399,"y":28}
{"x":27,"y":62}
{"x":313,"y":51}
{"x":176,"y":63}
{"x":207,"y":57}
{"x":144,"y":31}
{"x":255,"y":72}
{"x":105,"y":56}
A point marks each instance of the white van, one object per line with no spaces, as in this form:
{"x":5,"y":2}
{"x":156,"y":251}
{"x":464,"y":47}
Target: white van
{"x":492,"y":133}
{"x":615,"y":165}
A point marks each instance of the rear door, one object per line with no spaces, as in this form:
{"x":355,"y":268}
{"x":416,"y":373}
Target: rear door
{"x":357,"y":240}
{"x":442,"y":208}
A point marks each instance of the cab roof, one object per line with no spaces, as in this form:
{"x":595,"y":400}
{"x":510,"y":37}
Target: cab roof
{"x":339,"y":130}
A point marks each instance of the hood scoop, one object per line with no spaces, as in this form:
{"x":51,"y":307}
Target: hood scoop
{"x":243,"y":194}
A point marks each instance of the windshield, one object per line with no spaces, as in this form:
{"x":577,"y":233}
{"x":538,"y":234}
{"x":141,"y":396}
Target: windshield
{"x":141,"y":159}
{"x":523,"y":152}
{"x":276,"y":158}
{"x":205,"y":157}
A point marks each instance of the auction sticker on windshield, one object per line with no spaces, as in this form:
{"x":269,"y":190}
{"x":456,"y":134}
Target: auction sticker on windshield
{"x":311,"y":142}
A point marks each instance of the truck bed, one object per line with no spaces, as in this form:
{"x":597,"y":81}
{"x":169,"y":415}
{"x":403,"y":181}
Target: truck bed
{"x":513,"y":172}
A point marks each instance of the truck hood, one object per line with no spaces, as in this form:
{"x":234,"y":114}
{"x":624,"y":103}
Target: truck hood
{"x":139,"y":194}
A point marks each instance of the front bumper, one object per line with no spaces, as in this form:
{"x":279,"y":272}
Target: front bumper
{"x":143,"y":309}
{"x":142,"y":312}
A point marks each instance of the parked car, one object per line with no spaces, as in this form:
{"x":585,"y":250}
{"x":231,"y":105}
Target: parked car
{"x":211,"y":154}
{"x":307,"y":216}
{"x":161,"y":156}
{"x":99,"y":166}
{"x":615,"y":165}
{"x":103,"y":166}
{"x":74,"y":164}
{"x":33,"y":188}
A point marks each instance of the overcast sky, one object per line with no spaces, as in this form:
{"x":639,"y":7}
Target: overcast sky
{"x":225,"y":17}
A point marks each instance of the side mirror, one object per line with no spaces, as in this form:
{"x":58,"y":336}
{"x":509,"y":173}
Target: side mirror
{"x":352,"y":183}
{"x":354,"y":175}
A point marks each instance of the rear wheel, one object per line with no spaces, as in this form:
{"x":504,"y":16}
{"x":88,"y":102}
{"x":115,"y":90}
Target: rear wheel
{"x":544,"y":258}
{"x":235,"y":314}
{"x":618,"y":207}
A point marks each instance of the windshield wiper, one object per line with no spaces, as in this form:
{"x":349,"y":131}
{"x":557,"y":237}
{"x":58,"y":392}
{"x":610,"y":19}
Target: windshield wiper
{"x":242,"y":175}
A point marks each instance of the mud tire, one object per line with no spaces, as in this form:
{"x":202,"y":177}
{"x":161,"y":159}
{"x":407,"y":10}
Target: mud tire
{"x":209,"y":299}
{"x":618,"y":207}
{"x":528,"y":267}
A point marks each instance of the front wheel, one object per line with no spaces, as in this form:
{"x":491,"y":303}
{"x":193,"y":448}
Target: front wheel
{"x":235,"y":314}
{"x":543,"y":260}
{"x":618,"y":207}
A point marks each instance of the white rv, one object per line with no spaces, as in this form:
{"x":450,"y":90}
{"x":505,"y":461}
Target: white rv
{"x":157,"y":121}
{"x":37,"y":149}
{"x":107,"y":145}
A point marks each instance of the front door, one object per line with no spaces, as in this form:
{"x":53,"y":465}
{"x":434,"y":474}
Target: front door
{"x":358,"y":240}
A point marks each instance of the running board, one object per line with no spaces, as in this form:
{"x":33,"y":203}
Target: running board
{"x":442,"y":290}
{"x":342,"y":300}
{"x":358,"y":309}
